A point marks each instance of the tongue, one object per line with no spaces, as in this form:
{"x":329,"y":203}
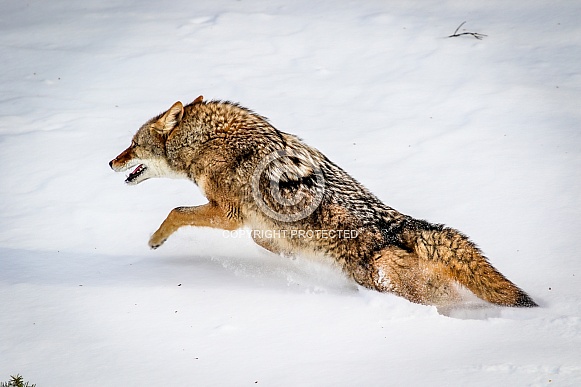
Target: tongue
{"x":137,"y":170}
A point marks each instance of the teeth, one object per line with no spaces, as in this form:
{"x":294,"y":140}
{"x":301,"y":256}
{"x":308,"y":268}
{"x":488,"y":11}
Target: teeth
{"x":136,"y":172}
{"x":138,"y":169}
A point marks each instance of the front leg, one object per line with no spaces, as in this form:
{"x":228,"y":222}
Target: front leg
{"x":269,"y":244}
{"x":208,"y":215}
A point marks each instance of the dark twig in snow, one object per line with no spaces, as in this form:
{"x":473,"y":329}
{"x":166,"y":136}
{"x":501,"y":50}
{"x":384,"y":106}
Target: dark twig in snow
{"x":475,"y":34}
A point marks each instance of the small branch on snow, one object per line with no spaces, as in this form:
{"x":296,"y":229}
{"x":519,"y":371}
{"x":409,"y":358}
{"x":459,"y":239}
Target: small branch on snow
{"x":475,"y":34}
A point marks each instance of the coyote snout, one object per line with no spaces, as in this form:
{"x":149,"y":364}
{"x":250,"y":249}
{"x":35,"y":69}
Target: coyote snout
{"x":128,"y":160}
{"x":258,"y":177}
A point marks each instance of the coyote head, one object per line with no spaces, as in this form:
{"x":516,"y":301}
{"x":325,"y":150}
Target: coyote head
{"x":147,"y":154}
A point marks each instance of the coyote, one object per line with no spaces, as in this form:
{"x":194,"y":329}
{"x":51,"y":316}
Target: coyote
{"x":294,"y":200}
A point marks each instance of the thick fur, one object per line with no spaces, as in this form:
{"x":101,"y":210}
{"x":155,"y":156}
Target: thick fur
{"x":220,"y":145}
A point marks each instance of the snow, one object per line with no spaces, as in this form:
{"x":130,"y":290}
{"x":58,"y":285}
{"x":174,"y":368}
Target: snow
{"x":482,"y":135}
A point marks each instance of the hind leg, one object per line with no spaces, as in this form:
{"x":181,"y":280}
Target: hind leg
{"x":401,"y":272}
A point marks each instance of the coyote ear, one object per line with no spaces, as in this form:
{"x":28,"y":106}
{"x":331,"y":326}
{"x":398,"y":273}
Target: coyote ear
{"x":169,"y":119}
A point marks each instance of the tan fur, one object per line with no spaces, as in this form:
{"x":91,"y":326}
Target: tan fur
{"x":207,"y":215}
{"x":296,"y":201}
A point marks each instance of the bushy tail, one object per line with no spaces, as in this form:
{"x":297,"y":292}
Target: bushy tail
{"x":457,"y":256}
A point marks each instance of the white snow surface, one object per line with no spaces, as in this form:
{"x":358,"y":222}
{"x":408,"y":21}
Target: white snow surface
{"x":481,"y":135}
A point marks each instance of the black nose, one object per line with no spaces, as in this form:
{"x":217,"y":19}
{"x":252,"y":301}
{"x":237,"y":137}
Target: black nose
{"x":111,"y":164}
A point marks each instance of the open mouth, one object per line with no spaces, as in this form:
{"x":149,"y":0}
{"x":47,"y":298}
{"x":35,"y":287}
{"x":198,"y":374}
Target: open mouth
{"x":138,"y":171}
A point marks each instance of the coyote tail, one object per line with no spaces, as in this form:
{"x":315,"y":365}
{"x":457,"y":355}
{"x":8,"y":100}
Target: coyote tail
{"x":460,"y":259}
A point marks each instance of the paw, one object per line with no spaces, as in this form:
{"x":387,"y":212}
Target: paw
{"x":155,"y":241}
